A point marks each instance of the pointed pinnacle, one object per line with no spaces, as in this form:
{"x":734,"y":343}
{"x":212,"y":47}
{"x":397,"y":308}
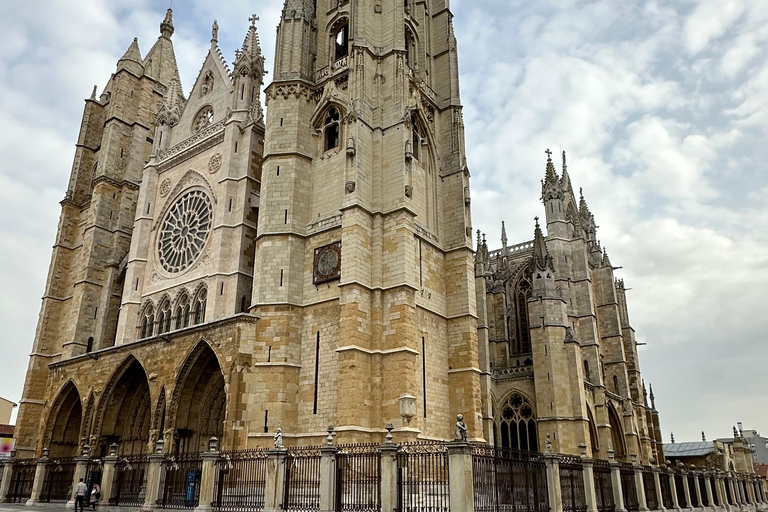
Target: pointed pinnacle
{"x":166,"y":27}
{"x":133,"y":53}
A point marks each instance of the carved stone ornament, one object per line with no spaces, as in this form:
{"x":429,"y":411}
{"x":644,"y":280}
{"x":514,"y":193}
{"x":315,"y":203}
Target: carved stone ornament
{"x":327,"y":264}
{"x":408,"y":190}
{"x":214,"y":164}
{"x":350,"y":186}
{"x":165,"y":187}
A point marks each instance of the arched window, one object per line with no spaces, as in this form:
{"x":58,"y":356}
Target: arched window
{"x":200,"y":303}
{"x":182,"y":312}
{"x":616,"y":385}
{"x":203,"y":118}
{"x":332,"y":129}
{"x":593,"y":433}
{"x":617,"y":434}
{"x":148,"y":322}
{"x":341,"y":41}
{"x":416,"y":133}
{"x":517,"y":424}
{"x":164,"y":317}
{"x":586,"y":371}
{"x":521,"y":328}
{"x":410,"y":49}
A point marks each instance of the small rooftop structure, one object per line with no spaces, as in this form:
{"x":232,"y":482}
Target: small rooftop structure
{"x":681,"y":450}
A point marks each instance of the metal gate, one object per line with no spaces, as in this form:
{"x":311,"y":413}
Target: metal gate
{"x":240,"y":481}
{"x":505,"y":480}
{"x":649,"y":485}
{"x":181,"y":481}
{"x":302,"y":479}
{"x":22,"y":479}
{"x":628,"y":489}
{"x":358,"y":478}
{"x":422,"y":478}
{"x":59,"y":479}
{"x":572,"y":484}
{"x":130,"y":484}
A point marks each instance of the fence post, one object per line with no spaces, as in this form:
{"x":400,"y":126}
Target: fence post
{"x":708,"y":489}
{"x":589,"y":481}
{"x":5,"y":484}
{"x":388,"y":452}
{"x":686,"y":489}
{"x":657,"y":483}
{"x":554,"y":493}
{"x":618,"y":495}
{"x":37,"y":486}
{"x":274,"y":486}
{"x":642,"y":502}
{"x":208,"y":476}
{"x":154,"y":475}
{"x":460,"y":482}
{"x":697,"y":488}
{"x":327,"y":477}
{"x":108,"y":475}
{"x":80,"y":469}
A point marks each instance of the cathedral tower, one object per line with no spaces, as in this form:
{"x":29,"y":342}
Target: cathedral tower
{"x":365,"y":289}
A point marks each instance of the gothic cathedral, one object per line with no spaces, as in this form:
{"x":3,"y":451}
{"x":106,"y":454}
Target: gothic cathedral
{"x":224,"y":269}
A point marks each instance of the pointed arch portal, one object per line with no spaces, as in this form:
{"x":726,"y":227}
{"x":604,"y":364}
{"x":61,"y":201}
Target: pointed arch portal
{"x":64,"y":423}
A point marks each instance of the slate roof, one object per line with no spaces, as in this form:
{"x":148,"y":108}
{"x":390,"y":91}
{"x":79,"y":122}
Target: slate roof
{"x":6,"y":430}
{"x":698,"y":449}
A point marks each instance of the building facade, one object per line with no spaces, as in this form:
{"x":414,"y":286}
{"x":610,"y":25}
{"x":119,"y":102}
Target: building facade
{"x":222,"y":271}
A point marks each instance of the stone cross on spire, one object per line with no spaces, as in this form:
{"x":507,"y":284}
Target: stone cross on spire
{"x":549,"y":155}
{"x":253,"y":19}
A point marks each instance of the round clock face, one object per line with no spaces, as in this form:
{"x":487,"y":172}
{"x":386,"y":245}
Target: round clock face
{"x":327,"y":262}
{"x":184,"y":231}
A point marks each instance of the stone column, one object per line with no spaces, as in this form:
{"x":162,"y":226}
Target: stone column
{"x":657,"y":484}
{"x":697,"y":489}
{"x":5,"y":484}
{"x":686,"y":489}
{"x":208,"y":476}
{"x":553,"y":481}
{"x":673,"y":488}
{"x":750,"y":490}
{"x":708,"y":490}
{"x":460,"y":476}
{"x":37,"y":486}
{"x":590,"y":493}
{"x":108,"y":475}
{"x":729,"y":483}
{"x":80,"y":469}
{"x":640,"y":485}
{"x":327,"y":477}
{"x":275,"y":480}
{"x":618,"y":495}
{"x":154,"y":475}
{"x":388,"y":475}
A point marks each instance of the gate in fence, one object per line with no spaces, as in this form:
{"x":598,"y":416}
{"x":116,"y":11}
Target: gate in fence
{"x":180,"y":482}
{"x":130,"y":484}
{"x":572,"y":484}
{"x":302,"y":479}
{"x":505,"y":480}
{"x":59,"y":476}
{"x":93,"y":474}
{"x":241,"y":478}
{"x":22,"y":478}
{"x":603,"y":486}
{"x":422,"y":478}
{"x":649,"y":486}
{"x":628,"y":489}
{"x":358,"y":478}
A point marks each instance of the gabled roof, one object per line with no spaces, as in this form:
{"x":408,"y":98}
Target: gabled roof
{"x":680,"y":450}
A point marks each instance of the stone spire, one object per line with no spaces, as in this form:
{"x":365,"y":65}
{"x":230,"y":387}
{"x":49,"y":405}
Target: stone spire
{"x":504,"y":238}
{"x":160,"y":62}
{"x":583,"y":208}
{"x":565,"y":180}
{"x":133,"y":53}
{"x":131,"y":59}
{"x":653,"y":398}
{"x":606,"y":260}
{"x":173,"y":103}
{"x":249,"y":73}
{"x":551,"y":178}
{"x":250,"y":53}
{"x":166,"y":27}
{"x":542,"y":260}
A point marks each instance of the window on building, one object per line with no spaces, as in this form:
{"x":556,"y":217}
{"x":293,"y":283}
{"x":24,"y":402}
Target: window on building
{"x":148,"y":322}
{"x":332,"y":129}
{"x":182,"y":312}
{"x":410,"y":49}
{"x":341,"y":41}
{"x":586,"y":371}
{"x":164,"y":317}
{"x":616,"y":385}
{"x":521,"y":331}
{"x":416,"y":137}
{"x":200,"y":303}
{"x":517,"y":425}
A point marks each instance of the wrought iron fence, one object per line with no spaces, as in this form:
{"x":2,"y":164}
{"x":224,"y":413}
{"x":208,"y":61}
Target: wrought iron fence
{"x":302,"y":479}
{"x":59,"y":476}
{"x":358,"y":478}
{"x":22,"y":479}
{"x":240,"y":481}
{"x":692,"y":491}
{"x":703,"y":491}
{"x":680,"y":491}
{"x":628,"y":489}
{"x":649,"y":485}
{"x":572,"y":484}
{"x":506,"y":480}
{"x":422,"y":478}
{"x":666,"y":490}
{"x":603,"y":486}
{"x":713,"y":486}
{"x":180,"y":481}
{"x":130,"y":484}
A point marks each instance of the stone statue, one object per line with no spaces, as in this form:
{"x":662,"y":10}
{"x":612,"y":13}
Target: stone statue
{"x":215,"y":31}
{"x":548,"y":444}
{"x":461,"y":429}
{"x":279,"y":439}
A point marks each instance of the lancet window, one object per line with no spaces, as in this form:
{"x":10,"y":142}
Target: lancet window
{"x":332,"y":129}
{"x":520,"y":331}
{"x":410,"y":48}
{"x":200,"y":303}
{"x":164,"y":317}
{"x":416,"y":136}
{"x":182,"y":312}
{"x":148,"y":322}
{"x":517,"y":424}
{"x":341,"y":41}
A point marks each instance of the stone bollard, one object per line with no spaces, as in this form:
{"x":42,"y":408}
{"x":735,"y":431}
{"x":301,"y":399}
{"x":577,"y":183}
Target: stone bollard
{"x":154,"y":476}
{"x":618,"y":495}
{"x":590,"y":493}
{"x":5,"y":483}
{"x":80,"y":469}
{"x":108,"y":475}
{"x":275,"y":480}
{"x":697,"y":488}
{"x":460,"y":476}
{"x":388,"y":452}
{"x":37,"y":485}
{"x":327,"y":477}
{"x":208,"y":476}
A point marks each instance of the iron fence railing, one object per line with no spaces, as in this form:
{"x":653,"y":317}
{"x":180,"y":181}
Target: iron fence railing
{"x":692,"y":491}
{"x":506,"y":480}
{"x":241,"y":478}
{"x":666,"y":490}
{"x":680,"y":490}
{"x":649,"y":486}
{"x":130,"y":485}
{"x":59,"y":476}
{"x":358,"y":478}
{"x":302,"y":479}
{"x":572,"y":484}
{"x":422,"y":478}
{"x":22,"y":479}
{"x":180,"y":481}
{"x":628,"y":489}
{"x":603,"y":486}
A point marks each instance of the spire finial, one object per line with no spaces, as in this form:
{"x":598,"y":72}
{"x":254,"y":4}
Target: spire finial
{"x":504,"y":237}
{"x":215,"y":32}
{"x":93,"y":94}
{"x":536,"y":219}
{"x":703,"y":437}
{"x":253,"y":19}
{"x":549,"y":155}
{"x":166,"y":27}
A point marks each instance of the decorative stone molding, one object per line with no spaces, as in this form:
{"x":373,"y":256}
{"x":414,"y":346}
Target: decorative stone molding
{"x":165,"y":187}
{"x":214,"y":164}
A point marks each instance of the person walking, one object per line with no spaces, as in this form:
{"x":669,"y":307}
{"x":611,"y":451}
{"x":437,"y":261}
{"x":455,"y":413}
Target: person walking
{"x":95,"y":495}
{"x":80,"y":490}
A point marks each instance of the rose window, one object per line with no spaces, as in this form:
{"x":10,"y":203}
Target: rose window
{"x":184,"y":231}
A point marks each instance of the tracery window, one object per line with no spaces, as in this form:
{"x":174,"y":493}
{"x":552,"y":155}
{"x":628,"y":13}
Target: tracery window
{"x":416,"y":135}
{"x":517,"y":424}
{"x":184,"y":231}
{"x":410,"y":49}
{"x":148,"y":322}
{"x":332,"y":129}
{"x":200,"y":303}
{"x":521,"y":330}
{"x":182,"y":312}
{"x":164,"y":317}
{"x":341,"y":41}
{"x":203,"y":118}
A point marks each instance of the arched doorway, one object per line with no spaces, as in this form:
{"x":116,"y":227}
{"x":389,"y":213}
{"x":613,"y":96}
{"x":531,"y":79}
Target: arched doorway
{"x":199,"y":400}
{"x":64,"y":422}
{"x":517,"y":424}
{"x":125,"y":411}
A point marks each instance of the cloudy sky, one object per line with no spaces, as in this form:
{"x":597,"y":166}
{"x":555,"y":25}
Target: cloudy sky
{"x":661,"y":106}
